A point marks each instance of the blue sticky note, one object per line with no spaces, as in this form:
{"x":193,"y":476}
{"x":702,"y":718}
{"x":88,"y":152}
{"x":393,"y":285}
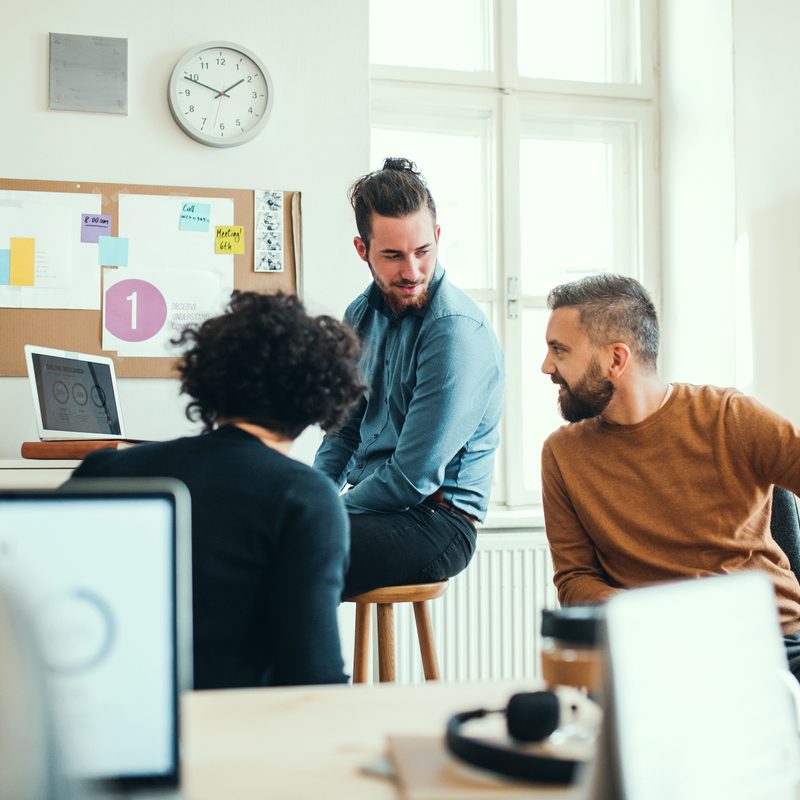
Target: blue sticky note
{"x":195,"y":216}
{"x":5,"y":267}
{"x":112,"y":251}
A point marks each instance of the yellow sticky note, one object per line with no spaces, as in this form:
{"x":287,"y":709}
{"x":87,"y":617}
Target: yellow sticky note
{"x":230,"y":240}
{"x":21,"y":262}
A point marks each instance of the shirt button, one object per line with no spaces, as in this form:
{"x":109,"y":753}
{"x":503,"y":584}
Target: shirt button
{"x":374,"y":435}
{"x":360,"y":466}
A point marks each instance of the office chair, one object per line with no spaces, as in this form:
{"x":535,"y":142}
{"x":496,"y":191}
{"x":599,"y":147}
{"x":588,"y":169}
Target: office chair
{"x":785,"y":526}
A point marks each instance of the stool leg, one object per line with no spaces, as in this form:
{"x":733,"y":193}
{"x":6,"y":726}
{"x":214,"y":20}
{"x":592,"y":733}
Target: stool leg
{"x":386,"y":642}
{"x":361,"y":650}
{"x":427,"y":644}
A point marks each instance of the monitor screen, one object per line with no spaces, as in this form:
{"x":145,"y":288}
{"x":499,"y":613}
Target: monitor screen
{"x":97,"y":574}
{"x":75,"y":394}
{"x":698,"y":691}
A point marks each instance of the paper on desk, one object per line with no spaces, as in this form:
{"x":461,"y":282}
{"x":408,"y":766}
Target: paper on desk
{"x":426,"y":771}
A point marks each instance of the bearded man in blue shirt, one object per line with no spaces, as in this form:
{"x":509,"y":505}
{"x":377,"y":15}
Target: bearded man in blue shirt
{"x":416,"y":456}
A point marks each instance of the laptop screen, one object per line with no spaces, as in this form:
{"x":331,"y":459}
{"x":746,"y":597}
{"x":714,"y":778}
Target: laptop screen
{"x":698,"y":692}
{"x":97,"y":571}
{"x":75,"y":394}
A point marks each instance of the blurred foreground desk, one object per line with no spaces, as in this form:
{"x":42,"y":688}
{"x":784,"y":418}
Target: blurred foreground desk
{"x":298,"y":743}
{"x":21,"y":473}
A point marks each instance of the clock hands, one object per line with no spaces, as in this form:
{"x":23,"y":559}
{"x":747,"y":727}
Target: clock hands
{"x":204,"y":85}
{"x":225,"y":91}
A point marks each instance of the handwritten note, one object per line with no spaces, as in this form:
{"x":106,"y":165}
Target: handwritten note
{"x":21,"y":262}
{"x":94,"y":225}
{"x":230,"y":240}
{"x":5,"y":267}
{"x":112,"y":251}
{"x":195,"y":216}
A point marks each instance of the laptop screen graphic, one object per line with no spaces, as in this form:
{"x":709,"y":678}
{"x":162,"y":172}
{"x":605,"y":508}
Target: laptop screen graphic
{"x":75,"y":395}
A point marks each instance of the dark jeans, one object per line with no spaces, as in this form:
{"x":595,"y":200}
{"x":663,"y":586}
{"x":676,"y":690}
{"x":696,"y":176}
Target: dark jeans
{"x":422,"y":545}
{"x":791,"y":641}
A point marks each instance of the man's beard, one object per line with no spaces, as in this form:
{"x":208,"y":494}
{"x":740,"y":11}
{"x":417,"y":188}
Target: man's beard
{"x":400,"y":304}
{"x":590,"y":396}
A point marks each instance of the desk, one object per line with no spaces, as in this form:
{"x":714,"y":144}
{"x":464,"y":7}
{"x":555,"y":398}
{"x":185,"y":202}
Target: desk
{"x":309,"y":742}
{"x":34,"y":474}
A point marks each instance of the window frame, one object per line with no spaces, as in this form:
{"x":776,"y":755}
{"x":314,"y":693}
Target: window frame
{"x":512,"y":101}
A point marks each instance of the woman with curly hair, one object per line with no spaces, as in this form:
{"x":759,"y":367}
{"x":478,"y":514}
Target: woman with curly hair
{"x":269,"y":535}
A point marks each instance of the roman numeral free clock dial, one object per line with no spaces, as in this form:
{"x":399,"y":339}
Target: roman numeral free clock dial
{"x":220,"y":94}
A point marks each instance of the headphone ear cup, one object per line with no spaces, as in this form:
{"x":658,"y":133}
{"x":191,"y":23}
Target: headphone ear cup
{"x":532,"y":716}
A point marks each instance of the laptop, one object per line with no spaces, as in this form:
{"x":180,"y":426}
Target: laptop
{"x":74,"y":395}
{"x":104,"y":569}
{"x":699,"y":699}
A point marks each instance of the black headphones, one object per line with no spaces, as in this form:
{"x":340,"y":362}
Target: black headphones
{"x":530,"y":717}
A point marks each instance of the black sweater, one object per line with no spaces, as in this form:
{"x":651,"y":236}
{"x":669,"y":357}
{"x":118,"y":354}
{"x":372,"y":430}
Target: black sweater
{"x":270,"y":545}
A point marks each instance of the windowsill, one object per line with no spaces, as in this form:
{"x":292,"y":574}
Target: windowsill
{"x":504,"y":518}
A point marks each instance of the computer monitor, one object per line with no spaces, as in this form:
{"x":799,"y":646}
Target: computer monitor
{"x":103,"y":567}
{"x":699,"y":701}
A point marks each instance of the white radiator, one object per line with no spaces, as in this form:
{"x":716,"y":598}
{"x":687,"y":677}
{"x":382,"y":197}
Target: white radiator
{"x":487,"y":623}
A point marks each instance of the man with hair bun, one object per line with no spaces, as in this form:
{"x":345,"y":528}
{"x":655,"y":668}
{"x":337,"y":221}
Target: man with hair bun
{"x":416,"y":455}
{"x":269,"y":534}
{"x":655,"y":481}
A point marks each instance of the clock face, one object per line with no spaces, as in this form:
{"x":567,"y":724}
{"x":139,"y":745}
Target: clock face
{"x":219,"y":94}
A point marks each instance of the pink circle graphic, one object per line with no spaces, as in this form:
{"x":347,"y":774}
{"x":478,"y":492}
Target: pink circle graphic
{"x":135,"y":310}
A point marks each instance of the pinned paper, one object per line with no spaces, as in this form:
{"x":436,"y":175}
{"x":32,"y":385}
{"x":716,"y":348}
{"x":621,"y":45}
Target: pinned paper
{"x":5,"y":267}
{"x":195,"y":216}
{"x":112,"y":251}
{"x":94,"y":225}
{"x":230,"y":240}
{"x":21,"y":262}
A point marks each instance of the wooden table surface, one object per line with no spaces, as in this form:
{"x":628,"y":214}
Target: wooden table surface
{"x":311,"y":742}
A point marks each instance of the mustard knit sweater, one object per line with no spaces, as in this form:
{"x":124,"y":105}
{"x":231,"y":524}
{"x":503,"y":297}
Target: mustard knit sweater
{"x":685,"y":493}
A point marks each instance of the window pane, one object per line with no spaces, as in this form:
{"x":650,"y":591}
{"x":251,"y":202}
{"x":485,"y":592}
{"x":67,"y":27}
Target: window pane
{"x":540,"y":415}
{"x":578,"y":40}
{"x":497,"y":493}
{"x":440,"y":34}
{"x":566,"y":222}
{"x":462,"y":195}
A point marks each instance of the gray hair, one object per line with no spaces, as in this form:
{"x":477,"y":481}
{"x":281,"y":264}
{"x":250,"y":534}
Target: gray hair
{"x":613,"y":308}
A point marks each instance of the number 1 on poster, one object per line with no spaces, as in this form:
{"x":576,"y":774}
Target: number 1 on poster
{"x":132,"y":298}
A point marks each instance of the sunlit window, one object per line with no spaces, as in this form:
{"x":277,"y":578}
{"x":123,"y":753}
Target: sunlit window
{"x":576,"y":40}
{"x":446,"y":34}
{"x":540,"y":159}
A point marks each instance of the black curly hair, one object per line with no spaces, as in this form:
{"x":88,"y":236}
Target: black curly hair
{"x":266,"y":361}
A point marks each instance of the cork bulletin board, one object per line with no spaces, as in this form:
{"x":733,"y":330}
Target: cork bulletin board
{"x":81,"y":330}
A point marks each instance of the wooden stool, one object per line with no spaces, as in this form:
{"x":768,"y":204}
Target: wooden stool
{"x":385,"y":597}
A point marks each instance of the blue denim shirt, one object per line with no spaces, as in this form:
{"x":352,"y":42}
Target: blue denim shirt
{"x":429,"y":417}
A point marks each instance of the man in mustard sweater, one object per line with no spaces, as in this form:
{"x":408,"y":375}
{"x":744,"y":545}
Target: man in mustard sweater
{"x":654,"y":481}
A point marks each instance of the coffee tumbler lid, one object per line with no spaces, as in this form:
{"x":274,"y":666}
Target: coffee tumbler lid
{"x":578,"y":624}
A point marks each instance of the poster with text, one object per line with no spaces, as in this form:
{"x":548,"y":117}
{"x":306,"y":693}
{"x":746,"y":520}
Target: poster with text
{"x":143,"y":310}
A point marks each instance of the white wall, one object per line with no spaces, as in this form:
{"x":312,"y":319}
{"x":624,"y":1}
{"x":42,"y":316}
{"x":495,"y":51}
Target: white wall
{"x":316,"y":139}
{"x":767,"y":103}
{"x":731,"y":195}
{"x":697,"y":180}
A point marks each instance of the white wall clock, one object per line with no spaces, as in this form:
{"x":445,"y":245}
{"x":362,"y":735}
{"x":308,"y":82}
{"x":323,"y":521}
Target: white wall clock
{"x":220,"y":94}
